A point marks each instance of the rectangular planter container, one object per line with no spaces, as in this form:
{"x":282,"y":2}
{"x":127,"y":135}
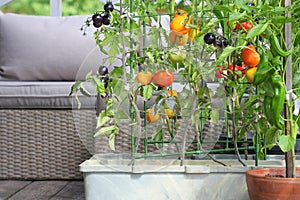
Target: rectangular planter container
{"x":113,"y":177}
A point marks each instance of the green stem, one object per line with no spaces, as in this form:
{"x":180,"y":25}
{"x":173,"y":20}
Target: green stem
{"x":293,"y":134}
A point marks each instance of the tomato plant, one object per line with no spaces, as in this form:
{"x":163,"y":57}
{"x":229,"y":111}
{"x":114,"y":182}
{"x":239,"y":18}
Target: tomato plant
{"x":208,"y":39}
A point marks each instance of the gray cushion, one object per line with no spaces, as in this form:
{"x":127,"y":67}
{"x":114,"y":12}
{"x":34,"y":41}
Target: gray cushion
{"x":38,"y":94}
{"x":45,"y":48}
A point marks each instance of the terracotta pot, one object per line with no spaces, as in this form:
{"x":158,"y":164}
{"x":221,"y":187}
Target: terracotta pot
{"x":269,"y":183}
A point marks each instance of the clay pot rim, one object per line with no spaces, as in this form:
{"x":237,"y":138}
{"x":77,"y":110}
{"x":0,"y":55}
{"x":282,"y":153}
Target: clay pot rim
{"x":266,"y":170}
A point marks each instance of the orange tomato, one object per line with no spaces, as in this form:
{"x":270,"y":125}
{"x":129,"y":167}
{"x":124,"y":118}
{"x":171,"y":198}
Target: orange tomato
{"x":150,"y":117}
{"x":172,"y":93}
{"x":250,"y":57}
{"x":179,"y":22}
{"x":144,"y":78}
{"x":169,"y":113}
{"x":180,"y":12}
{"x":163,"y":78}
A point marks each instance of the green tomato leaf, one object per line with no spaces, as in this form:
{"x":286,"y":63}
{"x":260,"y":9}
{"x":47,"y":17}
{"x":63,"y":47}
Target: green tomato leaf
{"x":286,"y":143}
{"x":214,"y":114}
{"x":257,"y":30}
{"x":226,"y":53}
{"x":249,"y":102}
{"x":159,"y":134}
{"x":237,"y":16}
{"x":99,"y":86}
{"x":75,"y":87}
{"x":212,"y":22}
{"x":271,"y":137}
{"x":111,"y":142}
{"x":106,"y":130}
{"x":108,"y":40}
{"x":147,"y":91}
{"x":84,"y":91}
{"x":102,"y":119}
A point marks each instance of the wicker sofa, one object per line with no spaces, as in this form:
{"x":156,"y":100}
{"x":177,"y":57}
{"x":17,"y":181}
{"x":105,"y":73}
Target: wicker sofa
{"x":40,"y":58}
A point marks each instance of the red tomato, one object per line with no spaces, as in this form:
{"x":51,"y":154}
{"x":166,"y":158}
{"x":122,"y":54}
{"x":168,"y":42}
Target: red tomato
{"x":247,"y":26}
{"x":219,"y":72}
{"x":237,"y":68}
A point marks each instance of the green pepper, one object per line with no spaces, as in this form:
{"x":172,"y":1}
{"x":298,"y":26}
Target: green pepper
{"x":275,"y":45}
{"x":278,"y":99}
{"x":262,"y":69}
{"x":268,"y":110}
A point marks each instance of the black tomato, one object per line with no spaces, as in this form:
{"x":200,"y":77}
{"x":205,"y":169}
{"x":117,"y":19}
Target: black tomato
{"x":223,"y":41}
{"x":108,"y":7}
{"x":218,"y":43}
{"x":103,"y":70}
{"x":105,"y":82}
{"x":209,"y":38}
{"x":106,"y":19}
{"x":97,"y":20}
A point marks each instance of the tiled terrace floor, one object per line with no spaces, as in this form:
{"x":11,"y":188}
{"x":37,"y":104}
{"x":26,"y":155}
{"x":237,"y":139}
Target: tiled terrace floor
{"x":41,"y":190}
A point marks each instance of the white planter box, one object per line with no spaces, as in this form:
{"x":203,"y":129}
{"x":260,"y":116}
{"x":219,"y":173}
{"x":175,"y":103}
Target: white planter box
{"x":112,"y":177}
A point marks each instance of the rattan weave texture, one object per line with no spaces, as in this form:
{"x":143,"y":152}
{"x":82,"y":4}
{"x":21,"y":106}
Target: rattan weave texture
{"x":40,"y":144}
{"x":50,"y":144}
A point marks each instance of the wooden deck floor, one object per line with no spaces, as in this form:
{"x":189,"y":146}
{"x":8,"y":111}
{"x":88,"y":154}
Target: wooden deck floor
{"x":41,"y":190}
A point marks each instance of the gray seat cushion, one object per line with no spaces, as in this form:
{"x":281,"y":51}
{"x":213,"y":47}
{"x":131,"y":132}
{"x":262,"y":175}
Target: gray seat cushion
{"x":45,"y":48}
{"x":23,"y":94}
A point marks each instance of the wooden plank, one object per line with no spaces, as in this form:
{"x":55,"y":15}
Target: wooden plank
{"x":40,"y":190}
{"x":9,"y":187}
{"x":73,"y":190}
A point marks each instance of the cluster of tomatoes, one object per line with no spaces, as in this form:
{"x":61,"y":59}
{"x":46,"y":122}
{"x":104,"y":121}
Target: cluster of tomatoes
{"x":160,"y":78}
{"x":217,"y":41}
{"x":181,"y":31}
{"x":250,"y":58}
{"x":104,"y":17}
{"x":166,"y":112}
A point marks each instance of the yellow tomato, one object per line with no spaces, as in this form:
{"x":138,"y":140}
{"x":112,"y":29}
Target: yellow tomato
{"x":169,"y":113}
{"x":250,"y":74}
{"x":172,"y":93}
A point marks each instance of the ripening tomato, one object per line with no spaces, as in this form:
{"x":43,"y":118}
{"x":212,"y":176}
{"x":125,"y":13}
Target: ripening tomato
{"x":167,"y":112}
{"x":250,"y":57}
{"x":172,"y":93}
{"x":150,"y":117}
{"x":178,"y":24}
{"x":144,"y":78}
{"x":219,"y":72}
{"x":163,"y":78}
{"x":250,"y":74}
